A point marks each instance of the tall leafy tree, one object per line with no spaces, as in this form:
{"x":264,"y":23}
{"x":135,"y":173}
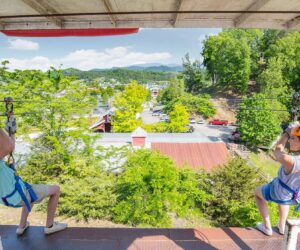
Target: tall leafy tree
{"x":179,"y":119}
{"x":127,"y":104}
{"x":287,"y":50}
{"x":174,"y":90}
{"x":193,"y":77}
{"x":259,"y":124}
{"x":228,"y":61}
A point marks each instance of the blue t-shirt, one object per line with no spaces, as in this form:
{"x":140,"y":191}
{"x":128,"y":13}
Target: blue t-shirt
{"x":7,"y":184}
{"x":292,"y":180}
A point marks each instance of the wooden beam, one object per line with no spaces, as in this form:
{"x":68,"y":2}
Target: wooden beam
{"x":256,"y":6}
{"x":178,"y":7}
{"x":109,"y":9}
{"x":293,"y":23}
{"x":43,"y":7}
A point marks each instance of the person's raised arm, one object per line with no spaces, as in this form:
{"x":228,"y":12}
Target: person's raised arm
{"x":286,"y":160}
{"x":7,"y":144}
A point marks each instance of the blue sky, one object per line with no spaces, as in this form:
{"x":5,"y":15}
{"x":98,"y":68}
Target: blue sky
{"x":162,"y":46}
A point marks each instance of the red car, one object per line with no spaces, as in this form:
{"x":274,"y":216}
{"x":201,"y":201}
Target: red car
{"x":218,"y":122}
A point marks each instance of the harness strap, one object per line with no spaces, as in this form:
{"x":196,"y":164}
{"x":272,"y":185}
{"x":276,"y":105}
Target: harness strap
{"x":294,"y":192}
{"x":18,"y":188}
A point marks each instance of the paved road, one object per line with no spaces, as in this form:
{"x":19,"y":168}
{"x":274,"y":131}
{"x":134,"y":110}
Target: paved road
{"x":223,"y":132}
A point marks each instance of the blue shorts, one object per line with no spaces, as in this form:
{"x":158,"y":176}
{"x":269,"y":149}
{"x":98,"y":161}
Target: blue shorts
{"x":266,"y":192}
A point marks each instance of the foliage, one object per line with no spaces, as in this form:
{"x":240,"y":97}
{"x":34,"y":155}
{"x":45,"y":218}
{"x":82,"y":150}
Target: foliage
{"x":179,"y":119}
{"x":174,"y":90}
{"x":151,"y":187}
{"x":287,"y":50}
{"x":228,"y":60}
{"x":195,"y":104}
{"x":259,"y":125}
{"x":193,"y":76}
{"x":127,"y":104}
{"x":121,"y":75}
{"x":60,"y":153}
{"x":232,"y":188}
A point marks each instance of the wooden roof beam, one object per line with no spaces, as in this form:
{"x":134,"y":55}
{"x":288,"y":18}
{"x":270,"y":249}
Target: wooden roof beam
{"x":178,"y":7}
{"x":43,"y":7}
{"x":293,"y":23}
{"x":109,"y":9}
{"x":256,"y":6}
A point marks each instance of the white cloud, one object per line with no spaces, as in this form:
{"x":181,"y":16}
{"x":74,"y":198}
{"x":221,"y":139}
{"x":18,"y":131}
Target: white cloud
{"x":202,"y":37}
{"x":90,"y":59}
{"x":21,"y":44}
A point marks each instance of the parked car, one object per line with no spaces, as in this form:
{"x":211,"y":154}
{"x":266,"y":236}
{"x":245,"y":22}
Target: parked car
{"x":218,"y":122}
{"x":192,"y":121}
{"x":201,"y":121}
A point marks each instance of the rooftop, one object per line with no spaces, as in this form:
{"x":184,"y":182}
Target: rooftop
{"x":141,"y":239}
{"x":206,"y":154}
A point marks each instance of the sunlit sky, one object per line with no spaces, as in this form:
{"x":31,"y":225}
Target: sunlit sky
{"x":148,"y":46}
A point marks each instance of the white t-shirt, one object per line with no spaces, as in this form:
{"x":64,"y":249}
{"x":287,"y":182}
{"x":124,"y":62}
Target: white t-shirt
{"x":292,"y":180}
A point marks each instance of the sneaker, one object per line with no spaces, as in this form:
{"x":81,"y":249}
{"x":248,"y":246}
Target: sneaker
{"x":267,"y":231}
{"x":280,"y":230}
{"x":21,"y":230}
{"x":56,"y":227}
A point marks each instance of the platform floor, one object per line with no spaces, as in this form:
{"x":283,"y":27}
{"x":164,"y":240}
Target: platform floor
{"x":140,"y":239}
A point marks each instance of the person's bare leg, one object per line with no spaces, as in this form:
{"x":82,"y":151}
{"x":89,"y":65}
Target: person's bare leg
{"x":24,"y":216}
{"x":262,"y":207}
{"x":283,"y":214}
{"x":54,"y":192}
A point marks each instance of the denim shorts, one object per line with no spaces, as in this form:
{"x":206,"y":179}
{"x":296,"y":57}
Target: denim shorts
{"x":266,"y":192}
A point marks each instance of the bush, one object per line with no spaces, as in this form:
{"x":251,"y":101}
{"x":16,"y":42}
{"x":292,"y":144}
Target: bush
{"x":232,"y":188}
{"x":151,"y":188}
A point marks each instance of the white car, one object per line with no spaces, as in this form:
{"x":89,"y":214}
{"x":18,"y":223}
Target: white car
{"x":192,"y":121}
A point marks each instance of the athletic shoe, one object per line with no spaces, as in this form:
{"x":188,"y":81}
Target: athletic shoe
{"x":280,"y":230}
{"x":267,"y":231}
{"x":56,"y":227}
{"x":21,"y":230}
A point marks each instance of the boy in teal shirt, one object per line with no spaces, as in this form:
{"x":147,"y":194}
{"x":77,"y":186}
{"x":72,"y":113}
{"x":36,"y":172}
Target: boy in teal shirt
{"x":10,"y":196}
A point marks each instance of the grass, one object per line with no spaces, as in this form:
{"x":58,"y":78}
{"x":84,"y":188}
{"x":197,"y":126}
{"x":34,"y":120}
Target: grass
{"x":265,"y":163}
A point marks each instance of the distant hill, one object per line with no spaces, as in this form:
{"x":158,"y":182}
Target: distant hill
{"x":141,"y":73}
{"x":160,"y":68}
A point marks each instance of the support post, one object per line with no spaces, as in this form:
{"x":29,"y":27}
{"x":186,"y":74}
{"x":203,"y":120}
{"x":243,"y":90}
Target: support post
{"x":292,"y":228}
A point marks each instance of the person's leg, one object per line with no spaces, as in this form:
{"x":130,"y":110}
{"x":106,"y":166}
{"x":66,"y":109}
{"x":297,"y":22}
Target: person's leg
{"x":262,"y":207}
{"x":283,"y":214}
{"x":24,"y":216}
{"x":54,"y":192}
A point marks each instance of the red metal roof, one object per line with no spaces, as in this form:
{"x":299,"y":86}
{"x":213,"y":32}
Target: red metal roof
{"x":207,"y":154}
{"x":70,"y":32}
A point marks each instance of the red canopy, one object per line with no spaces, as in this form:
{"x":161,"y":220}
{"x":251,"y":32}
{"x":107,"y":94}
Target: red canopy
{"x":70,"y":32}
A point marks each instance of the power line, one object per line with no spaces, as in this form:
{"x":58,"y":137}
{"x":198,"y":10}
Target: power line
{"x":240,"y":108}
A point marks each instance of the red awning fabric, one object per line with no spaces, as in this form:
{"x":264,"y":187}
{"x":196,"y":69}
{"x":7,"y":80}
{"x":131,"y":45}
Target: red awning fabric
{"x":70,"y":32}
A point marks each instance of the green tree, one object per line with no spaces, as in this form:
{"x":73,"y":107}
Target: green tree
{"x":232,"y":188}
{"x":151,"y":187}
{"x":271,"y":80}
{"x":199,"y":105}
{"x":174,"y":90}
{"x":287,"y":50}
{"x":228,"y":61}
{"x":193,"y":77}
{"x":127,"y":104}
{"x":179,"y":119}
{"x":259,"y":124}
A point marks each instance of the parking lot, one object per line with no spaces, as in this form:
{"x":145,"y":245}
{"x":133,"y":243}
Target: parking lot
{"x":222,"y":132}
